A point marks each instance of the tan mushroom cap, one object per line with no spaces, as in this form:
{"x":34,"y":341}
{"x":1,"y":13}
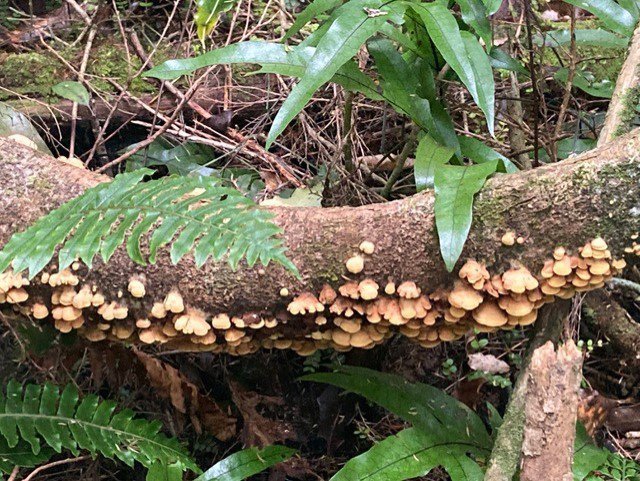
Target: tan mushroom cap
{"x":490,"y":315}
{"x":192,"y":322}
{"x":509,"y":238}
{"x":174,"y":302}
{"x":233,"y":335}
{"x":305,"y":303}
{"x":348,"y":325}
{"x":367,"y":247}
{"x":409,"y":290}
{"x":599,"y":244}
{"x":474,"y":272}
{"x":360,"y":339}
{"x":83,"y":298}
{"x":464,"y":297}
{"x":368,"y":289}
{"x":390,"y":288}
{"x":350,"y":289}
{"x":17,"y":295}
{"x":519,"y":280}
{"x":341,"y":338}
{"x":221,"y":321}
{"x":327,"y":294}
{"x":355,"y":264}
{"x":136,"y":288}
{"x":562,"y":266}
{"x":600,"y":268}
{"x":516,"y":306}
{"x":39,"y":310}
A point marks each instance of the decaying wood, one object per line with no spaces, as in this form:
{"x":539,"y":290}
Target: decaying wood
{"x":625,"y":95}
{"x":567,"y":204}
{"x":551,"y":412}
{"x":612,"y":320}
{"x":506,"y":451}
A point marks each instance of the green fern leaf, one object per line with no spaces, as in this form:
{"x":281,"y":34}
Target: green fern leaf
{"x":190,"y":213}
{"x":38,"y":420}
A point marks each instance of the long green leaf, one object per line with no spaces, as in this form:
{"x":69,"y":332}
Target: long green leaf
{"x":245,"y":463}
{"x":587,"y":83}
{"x":272,"y":57}
{"x":425,"y":407}
{"x":352,"y":27}
{"x":482,"y":71}
{"x":315,"y":8}
{"x":479,"y":153}
{"x":400,"y":83}
{"x":455,"y":187}
{"x":612,"y":14}
{"x":471,"y":68}
{"x":412,"y":453}
{"x":586,"y":37}
{"x":190,"y":213}
{"x":429,"y":156}
{"x":474,"y":14}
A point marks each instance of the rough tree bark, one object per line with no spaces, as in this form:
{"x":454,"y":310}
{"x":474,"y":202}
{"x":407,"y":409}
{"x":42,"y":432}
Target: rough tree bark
{"x":625,"y":96}
{"x":566,"y":204}
{"x":507,"y":448}
{"x":551,"y":412}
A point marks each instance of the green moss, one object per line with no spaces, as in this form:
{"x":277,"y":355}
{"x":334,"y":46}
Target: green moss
{"x":108,"y":60}
{"x":33,"y":74}
{"x":630,"y":102}
{"x":30,"y":74}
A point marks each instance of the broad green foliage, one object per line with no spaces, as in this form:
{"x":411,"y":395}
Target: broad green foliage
{"x":471,"y":65}
{"x":272,"y":57}
{"x":74,"y":91}
{"x":585,"y":82}
{"x":354,"y":25}
{"x":455,"y":187}
{"x":445,"y":433}
{"x":588,"y":38}
{"x":410,"y":454}
{"x":183,"y":159}
{"x":429,"y":157}
{"x":36,"y":421}
{"x":612,"y":14}
{"x":191,"y":213}
{"x":246,"y":463}
{"x":620,"y":17}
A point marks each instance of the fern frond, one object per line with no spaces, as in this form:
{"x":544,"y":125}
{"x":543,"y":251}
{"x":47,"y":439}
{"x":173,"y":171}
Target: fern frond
{"x":42,"y":419}
{"x":190,"y":213}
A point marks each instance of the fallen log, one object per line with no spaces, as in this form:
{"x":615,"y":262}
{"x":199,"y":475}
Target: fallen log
{"x":576,"y":218}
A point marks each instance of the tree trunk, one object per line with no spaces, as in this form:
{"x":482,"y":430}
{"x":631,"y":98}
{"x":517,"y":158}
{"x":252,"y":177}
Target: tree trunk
{"x":551,"y":412}
{"x":565,"y":204}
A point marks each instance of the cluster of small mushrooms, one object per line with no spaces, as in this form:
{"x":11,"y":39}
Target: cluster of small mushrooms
{"x":361,"y":313}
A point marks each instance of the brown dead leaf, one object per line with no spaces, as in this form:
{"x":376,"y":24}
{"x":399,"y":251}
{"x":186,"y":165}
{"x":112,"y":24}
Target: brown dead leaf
{"x":187,"y":399}
{"x":259,"y":430}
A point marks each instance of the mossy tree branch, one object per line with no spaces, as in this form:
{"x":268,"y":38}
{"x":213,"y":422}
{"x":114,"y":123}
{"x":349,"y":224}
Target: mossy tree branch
{"x":565,"y":204}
